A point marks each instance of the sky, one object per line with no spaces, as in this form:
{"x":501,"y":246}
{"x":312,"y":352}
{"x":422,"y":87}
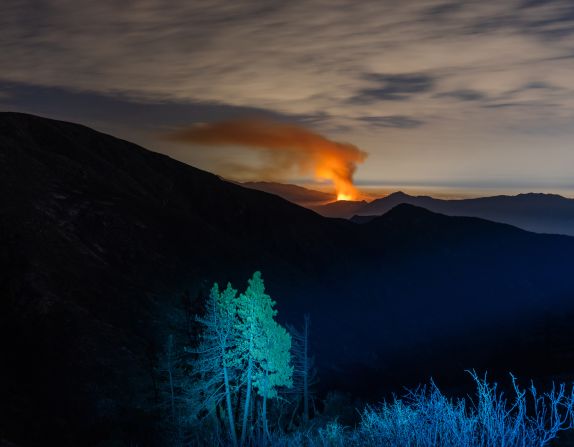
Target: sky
{"x":463,"y":95}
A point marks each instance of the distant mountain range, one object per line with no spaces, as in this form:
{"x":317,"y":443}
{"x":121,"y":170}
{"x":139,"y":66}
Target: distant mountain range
{"x":541,"y":213}
{"x":107,"y":248}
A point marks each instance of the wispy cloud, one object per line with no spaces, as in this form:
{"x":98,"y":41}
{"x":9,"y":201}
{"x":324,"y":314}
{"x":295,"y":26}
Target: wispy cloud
{"x":456,"y":66}
{"x":395,"y":87}
{"x":462,"y":95}
{"x":295,"y":58}
{"x":399,"y":121}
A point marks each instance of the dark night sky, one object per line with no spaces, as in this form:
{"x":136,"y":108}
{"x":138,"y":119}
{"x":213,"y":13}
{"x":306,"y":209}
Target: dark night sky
{"x":465,"y":95}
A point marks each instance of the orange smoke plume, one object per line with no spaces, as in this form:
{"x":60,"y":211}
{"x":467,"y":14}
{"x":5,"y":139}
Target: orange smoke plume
{"x":287,"y":147}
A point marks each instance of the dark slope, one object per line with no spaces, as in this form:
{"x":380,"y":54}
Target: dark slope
{"x":293,"y":193}
{"x":323,"y":203}
{"x":340,"y":208}
{"x":543,"y":213}
{"x":101,"y":239}
{"x":442,"y":294}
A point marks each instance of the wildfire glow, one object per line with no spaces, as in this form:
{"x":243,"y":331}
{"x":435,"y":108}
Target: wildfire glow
{"x":284,"y":148}
{"x":342,"y":196}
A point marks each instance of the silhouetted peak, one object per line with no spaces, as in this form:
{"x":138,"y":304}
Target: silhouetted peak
{"x":398,"y":195}
{"x":405,"y":212}
{"x":405,"y":209}
{"x":540,"y":195}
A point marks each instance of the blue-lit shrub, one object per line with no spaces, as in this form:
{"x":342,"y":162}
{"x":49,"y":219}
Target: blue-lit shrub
{"x":425,"y":417}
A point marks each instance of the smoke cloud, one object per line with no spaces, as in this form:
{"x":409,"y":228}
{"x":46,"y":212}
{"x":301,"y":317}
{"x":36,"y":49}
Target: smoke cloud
{"x":285,"y":147}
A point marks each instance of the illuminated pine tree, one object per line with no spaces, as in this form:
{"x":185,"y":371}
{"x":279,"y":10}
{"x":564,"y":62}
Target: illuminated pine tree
{"x":273,"y":356}
{"x":216,"y":355}
{"x":263,"y":346}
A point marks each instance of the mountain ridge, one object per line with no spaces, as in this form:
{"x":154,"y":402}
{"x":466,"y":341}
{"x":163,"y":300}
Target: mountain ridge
{"x":108,"y":249}
{"x":537,"y":212}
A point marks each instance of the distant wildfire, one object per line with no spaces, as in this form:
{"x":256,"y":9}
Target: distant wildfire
{"x":287,"y":147}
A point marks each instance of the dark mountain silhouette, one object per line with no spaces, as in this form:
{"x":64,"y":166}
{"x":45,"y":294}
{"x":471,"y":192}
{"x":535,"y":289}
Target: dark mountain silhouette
{"x":541,"y":213}
{"x":323,"y":203}
{"x":340,"y":208}
{"x":362,"y":219}
{"x":107,"y":247}
{"x":296,"y":194}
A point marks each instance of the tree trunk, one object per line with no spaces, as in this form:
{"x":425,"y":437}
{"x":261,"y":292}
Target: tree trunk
{"x":169,"y":370}
{"x":306,"y":372}
{"x":265,"y":426}
{"x":248,"y":392}
{"x":229,"y":407}
{"x":295,"y":408}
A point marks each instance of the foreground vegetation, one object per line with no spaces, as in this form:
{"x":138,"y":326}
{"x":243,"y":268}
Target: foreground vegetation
{"x":248,"y":382}
{"x":426,"y":417}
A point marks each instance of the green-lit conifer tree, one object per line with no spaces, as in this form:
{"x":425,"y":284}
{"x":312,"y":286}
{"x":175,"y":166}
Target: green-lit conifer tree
{"x":263,"y":345}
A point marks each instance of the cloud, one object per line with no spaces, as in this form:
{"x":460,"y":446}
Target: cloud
{"x":524,"y":104}
{"x":442,"y":10}
{"x":399,"y":121}
{"x":551,"y":19}
{"x":463,"y":95}
{"x":284,"y":146}
{"x":326,"y":63}
{"x":292,"y":58}
{"x":396,"y":87}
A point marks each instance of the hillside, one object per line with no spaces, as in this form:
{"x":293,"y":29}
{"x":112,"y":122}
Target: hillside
{"x":107,"y":248}
{"x":537,"y":212}
{"x":293,"y":193}
{"x":541,"y":213}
